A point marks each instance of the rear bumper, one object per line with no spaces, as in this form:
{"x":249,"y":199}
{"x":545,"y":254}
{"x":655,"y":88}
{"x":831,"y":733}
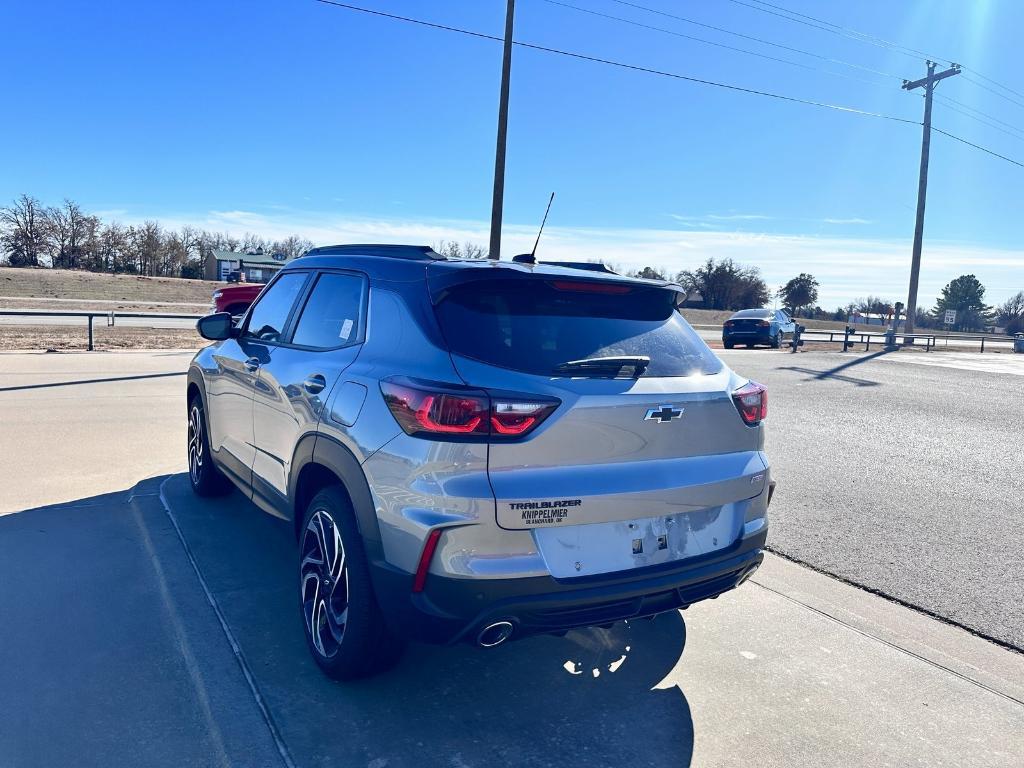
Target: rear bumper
{"x":748,"y":337}
{"x":450,"y":610}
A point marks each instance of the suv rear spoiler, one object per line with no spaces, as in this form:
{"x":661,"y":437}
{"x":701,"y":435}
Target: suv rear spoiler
{"x":442,"y":278}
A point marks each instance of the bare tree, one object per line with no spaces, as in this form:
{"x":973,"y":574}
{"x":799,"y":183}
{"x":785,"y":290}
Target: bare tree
{"x":23,"y":232}
{"x":292,"y":247}
{"x":113,"y":248}
{"x":68,"y":229}
{"x":452,"y":250}
{"x":254,"y":244}
{"x":1011,"y":314}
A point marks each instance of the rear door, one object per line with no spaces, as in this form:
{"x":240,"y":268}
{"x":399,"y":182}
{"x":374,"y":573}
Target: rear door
{"x":324,"y":338}
{"x":634,"y":470}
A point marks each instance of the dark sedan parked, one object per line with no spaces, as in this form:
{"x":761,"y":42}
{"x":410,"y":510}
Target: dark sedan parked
{"x":757,"y":326}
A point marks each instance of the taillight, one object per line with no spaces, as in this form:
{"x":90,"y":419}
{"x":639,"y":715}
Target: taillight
{"x":422,"y":409}
{"x":729,"y":323}
{"x":752,"y":402}
{"x":517,"y":417}
{"x":764,"y":323}
{"x":437,"y":412}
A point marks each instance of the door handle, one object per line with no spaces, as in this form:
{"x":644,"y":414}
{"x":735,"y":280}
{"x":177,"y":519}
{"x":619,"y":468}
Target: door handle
{"x":314,"y":384}
{"x":252,"y":364}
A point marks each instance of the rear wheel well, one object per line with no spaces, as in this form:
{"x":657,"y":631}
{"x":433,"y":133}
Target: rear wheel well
{"x":313,"y":478}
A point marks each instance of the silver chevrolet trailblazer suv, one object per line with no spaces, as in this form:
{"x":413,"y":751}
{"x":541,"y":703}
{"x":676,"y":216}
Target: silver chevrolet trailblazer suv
{"x":479,"y":450}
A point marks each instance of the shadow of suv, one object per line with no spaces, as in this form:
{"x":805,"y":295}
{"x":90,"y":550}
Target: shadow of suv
{"x":478,"y":450}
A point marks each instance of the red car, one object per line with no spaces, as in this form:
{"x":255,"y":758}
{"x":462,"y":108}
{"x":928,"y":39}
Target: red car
{"x":236,"y":298}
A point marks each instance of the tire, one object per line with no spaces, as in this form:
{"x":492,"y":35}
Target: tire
{"x":345,"y":633}
{"x":203,"y":476}
{"x":728,"y":344}
{"x":777,"y":340}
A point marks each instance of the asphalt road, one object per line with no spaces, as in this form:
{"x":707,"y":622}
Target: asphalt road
{"x":902,"y":473}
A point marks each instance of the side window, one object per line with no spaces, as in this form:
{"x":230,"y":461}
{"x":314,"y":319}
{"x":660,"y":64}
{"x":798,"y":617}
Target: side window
{"x":333,"y":314}
{"x":268,"y":317}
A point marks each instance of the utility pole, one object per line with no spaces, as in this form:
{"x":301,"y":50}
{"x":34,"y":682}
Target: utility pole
{"x":928,"y":82}
{"x":498,"y":201}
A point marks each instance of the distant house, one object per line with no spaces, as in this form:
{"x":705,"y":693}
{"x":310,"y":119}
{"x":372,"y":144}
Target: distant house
{"x":251,"y":267}
{"x":872,"y":318}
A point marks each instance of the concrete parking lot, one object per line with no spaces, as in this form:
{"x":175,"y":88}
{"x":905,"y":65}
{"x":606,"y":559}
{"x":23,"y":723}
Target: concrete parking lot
{"x":158,"y":629}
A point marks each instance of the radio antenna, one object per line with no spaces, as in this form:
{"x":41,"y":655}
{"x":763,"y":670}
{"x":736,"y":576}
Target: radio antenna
{"x":543,"y":222}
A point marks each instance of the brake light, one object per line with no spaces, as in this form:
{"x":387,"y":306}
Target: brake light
{"x":588,"y":287}
{"x":729,"y":323}
{"x":440,"y":410}
{"x":764,"y":323}
{"x":752,"y":402}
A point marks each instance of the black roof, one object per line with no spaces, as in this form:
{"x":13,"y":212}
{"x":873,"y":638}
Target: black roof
{"x":413,"y":252}
{"x":405,"y":263}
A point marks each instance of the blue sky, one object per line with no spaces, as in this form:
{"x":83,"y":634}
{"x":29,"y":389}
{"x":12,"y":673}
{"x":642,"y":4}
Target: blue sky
{"x":293,"y":116}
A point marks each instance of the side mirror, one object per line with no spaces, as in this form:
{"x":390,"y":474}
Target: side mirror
{"x":216,"y":327}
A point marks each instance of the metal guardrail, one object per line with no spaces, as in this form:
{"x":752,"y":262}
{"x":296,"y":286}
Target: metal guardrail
{"x":111,"y":316}
{"x":848,"y":338}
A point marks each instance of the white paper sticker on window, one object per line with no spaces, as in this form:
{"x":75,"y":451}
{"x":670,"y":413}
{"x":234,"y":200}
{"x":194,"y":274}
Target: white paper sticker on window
{"x":346,"y":330}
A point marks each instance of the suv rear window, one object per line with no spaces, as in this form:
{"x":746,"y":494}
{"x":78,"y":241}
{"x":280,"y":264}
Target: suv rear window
{"x":533,"y":326}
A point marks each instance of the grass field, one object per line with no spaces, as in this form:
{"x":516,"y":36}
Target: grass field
{"x":50,"y":284}
{"x":67,"y":338}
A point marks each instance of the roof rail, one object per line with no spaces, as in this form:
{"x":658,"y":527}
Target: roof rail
{"x":411,"y":252}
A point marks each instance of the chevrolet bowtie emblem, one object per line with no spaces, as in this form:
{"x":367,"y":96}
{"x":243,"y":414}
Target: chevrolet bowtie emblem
{"x":663,"y":413}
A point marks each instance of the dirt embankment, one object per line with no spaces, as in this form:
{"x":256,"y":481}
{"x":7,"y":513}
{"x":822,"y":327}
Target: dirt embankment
{"x":51,"y":284}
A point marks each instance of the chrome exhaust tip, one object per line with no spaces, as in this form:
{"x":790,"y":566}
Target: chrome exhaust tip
{"x":494,"y":634}
{"x":748,"y":573}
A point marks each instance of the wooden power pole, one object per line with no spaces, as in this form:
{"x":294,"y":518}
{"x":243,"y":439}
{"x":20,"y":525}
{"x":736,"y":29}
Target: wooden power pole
{"x":928,"y":83}
{"x":498,"y":201}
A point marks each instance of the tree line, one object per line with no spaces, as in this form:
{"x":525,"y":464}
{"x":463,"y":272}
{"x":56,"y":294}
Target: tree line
{"x":66,"y":237}
{"x":726,"y":285}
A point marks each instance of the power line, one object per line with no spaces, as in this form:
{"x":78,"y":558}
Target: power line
{"x":790,"y":62}
{"x":993,"y":91}
{"x":835,"y":29}
{"x":755,"y":39}
{"x":978,"y":146}
{"x":981,"y":117}
{"x":648,"y":70}
{"x":874,"y":40}
{"x":990,"y":80}
{"x":619,"y":64}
